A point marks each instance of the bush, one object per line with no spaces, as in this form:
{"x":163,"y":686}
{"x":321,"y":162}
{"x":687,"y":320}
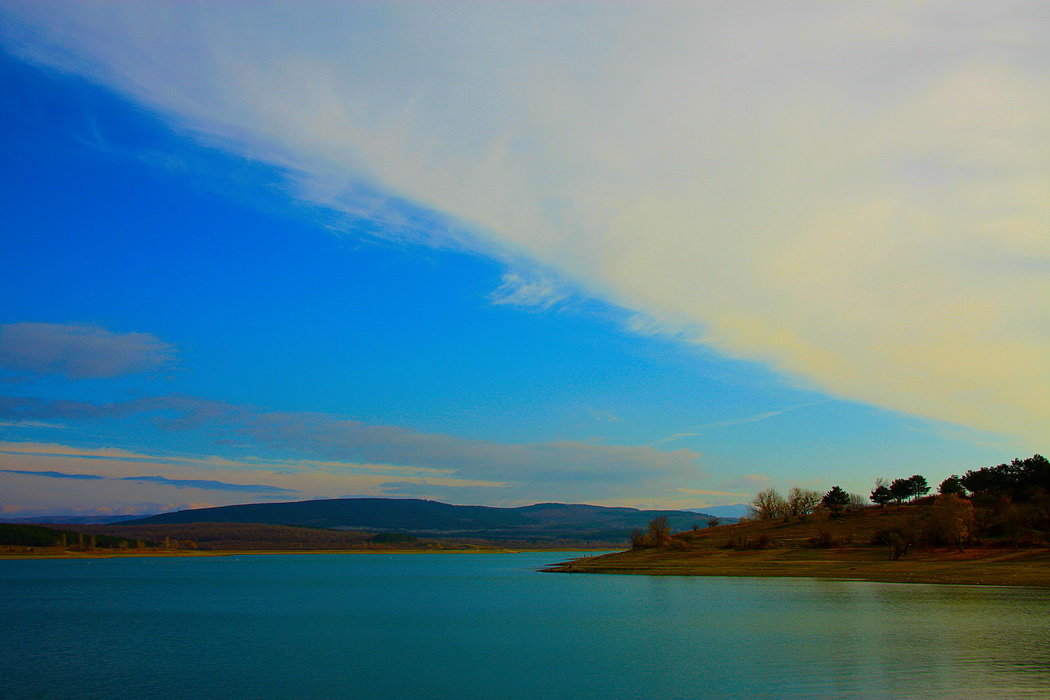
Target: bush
{"x":393,"y":538}
{"x":823,"y":539}
{"x":744,"y":542}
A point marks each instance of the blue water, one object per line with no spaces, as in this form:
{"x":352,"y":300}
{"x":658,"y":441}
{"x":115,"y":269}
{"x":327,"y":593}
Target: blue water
{"x":491,"y":626}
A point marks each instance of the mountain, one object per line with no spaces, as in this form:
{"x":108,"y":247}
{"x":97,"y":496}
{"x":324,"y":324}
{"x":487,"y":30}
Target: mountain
{"x":542,"y":521}
{"x":70,"y":519}
{"x":733,"y":512}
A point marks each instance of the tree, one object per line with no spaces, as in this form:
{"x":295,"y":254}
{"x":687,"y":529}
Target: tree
{"x":767,"y":505}
{"x":1018,"y":479}
{"x":802,"y":501}
{"x":857,"y":501}
{"x":881,"y":493}
{"x":638,"y":539}
{"x":952,"y":485}
{"x":901,"y":489}
{"x":659,"y":531}
{"x":951,"y":520}
{"x":835,"y":500}
{"x":919,"y":486}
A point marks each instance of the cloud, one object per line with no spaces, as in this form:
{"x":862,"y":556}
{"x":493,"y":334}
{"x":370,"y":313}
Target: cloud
{"x":177,"y":483}
{"x":15,"y":511}
{"x":536,"y":291}
{"x":58,"y":478}
{"x":853,"y":194}
{"x":79,"y":351}
{"x":755,"y":418}
{"x":209,"y":484}
{"x":52,"y":475}
{"x":321,"y":445}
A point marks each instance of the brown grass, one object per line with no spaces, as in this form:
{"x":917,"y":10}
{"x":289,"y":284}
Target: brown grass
{"x":732,"y":550}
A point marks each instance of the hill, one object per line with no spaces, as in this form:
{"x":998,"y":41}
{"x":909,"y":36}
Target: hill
{"x":898,"y":544}
{"x":544,"y":521}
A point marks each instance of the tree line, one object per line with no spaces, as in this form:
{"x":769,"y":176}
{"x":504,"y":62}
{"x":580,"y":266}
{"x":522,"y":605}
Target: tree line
{"x":770,"y":504}
{"x":1009,"y":503}
{"x":1022,"y":480}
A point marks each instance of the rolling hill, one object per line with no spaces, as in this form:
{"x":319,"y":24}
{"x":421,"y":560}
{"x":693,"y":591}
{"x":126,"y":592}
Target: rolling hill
{"x":543,"y":521}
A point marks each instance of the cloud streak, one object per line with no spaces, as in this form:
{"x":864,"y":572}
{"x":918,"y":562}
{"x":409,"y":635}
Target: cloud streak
{"x":52,"y":475}
{"x":853,"y":194}
{"x":205,"y":484}
{"x":79,"y":351}
{"x":315,"y":442}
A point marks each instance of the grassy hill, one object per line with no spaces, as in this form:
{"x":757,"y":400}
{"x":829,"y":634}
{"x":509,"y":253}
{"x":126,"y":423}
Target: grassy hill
{"x":858,"y":545}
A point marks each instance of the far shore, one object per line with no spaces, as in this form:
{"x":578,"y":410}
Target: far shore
{"x":978,"y":566}
{"x":53,"y":553}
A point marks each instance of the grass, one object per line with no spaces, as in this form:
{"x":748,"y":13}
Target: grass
{"x":782,"y":547}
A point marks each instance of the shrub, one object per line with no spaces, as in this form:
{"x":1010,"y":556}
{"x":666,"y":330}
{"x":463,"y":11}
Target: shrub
{"x":823,"y":539}
{"x":393,"y":538}
{"x":659,"y":531}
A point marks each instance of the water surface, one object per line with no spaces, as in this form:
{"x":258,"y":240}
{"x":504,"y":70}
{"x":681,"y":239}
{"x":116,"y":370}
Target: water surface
{"x":491,"y":626}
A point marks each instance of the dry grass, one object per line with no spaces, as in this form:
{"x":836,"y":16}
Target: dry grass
{"x":727,"y":550}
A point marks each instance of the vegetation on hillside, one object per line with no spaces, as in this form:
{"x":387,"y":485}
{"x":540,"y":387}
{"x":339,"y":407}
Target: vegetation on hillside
{"x":1005,"y":505}
{"x":30,"y":536}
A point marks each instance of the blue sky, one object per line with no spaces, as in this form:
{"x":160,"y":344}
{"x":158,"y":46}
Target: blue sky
{"x":350,"y":250}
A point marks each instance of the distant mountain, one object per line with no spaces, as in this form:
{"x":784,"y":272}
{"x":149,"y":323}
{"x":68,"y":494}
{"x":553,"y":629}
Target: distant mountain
{"x":543,"y":521}
{"x":738,"y":510}
{"x":71,"y":519}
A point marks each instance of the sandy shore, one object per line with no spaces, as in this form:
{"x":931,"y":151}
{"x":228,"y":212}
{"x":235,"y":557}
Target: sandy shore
{"x":994,"y":567}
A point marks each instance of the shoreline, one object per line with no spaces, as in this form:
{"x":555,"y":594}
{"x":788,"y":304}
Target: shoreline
{"x":123,"y":554}
{"x":1030,"y":569}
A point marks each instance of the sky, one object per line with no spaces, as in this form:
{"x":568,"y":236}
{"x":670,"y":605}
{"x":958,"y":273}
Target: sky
{"x":650,"y":255}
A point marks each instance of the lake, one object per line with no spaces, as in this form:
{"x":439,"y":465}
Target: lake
{"x":485,"y":625}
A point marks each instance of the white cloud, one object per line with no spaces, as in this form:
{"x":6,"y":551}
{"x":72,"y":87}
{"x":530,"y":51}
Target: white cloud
{"x":535,"y":291}
{"x":855,"y":194}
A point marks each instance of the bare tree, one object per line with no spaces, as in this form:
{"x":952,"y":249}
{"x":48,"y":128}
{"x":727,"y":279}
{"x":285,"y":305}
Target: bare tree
{"x":802,"y":501}
{"x":858,"y":501}
{"x":951,"y":520}
{"x":768,"y":504}
{"x":659,"y":531}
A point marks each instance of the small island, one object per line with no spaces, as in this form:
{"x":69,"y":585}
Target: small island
{"x":987,"y":527}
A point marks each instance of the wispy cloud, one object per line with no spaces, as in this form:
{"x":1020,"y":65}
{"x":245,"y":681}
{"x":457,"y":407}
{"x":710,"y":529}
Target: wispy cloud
{"x":696,"y":430}
{"x":322,"y":446}
{"x":206,"y":484}
{"x":79,"y":351}
{"x":851,"y":193}
{"x":209,"y":485}
{"x":52,"y":475}
{"x":535,"y":291}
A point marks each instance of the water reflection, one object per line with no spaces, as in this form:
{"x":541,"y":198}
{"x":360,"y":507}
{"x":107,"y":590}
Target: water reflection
{"x":489,"y":626}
